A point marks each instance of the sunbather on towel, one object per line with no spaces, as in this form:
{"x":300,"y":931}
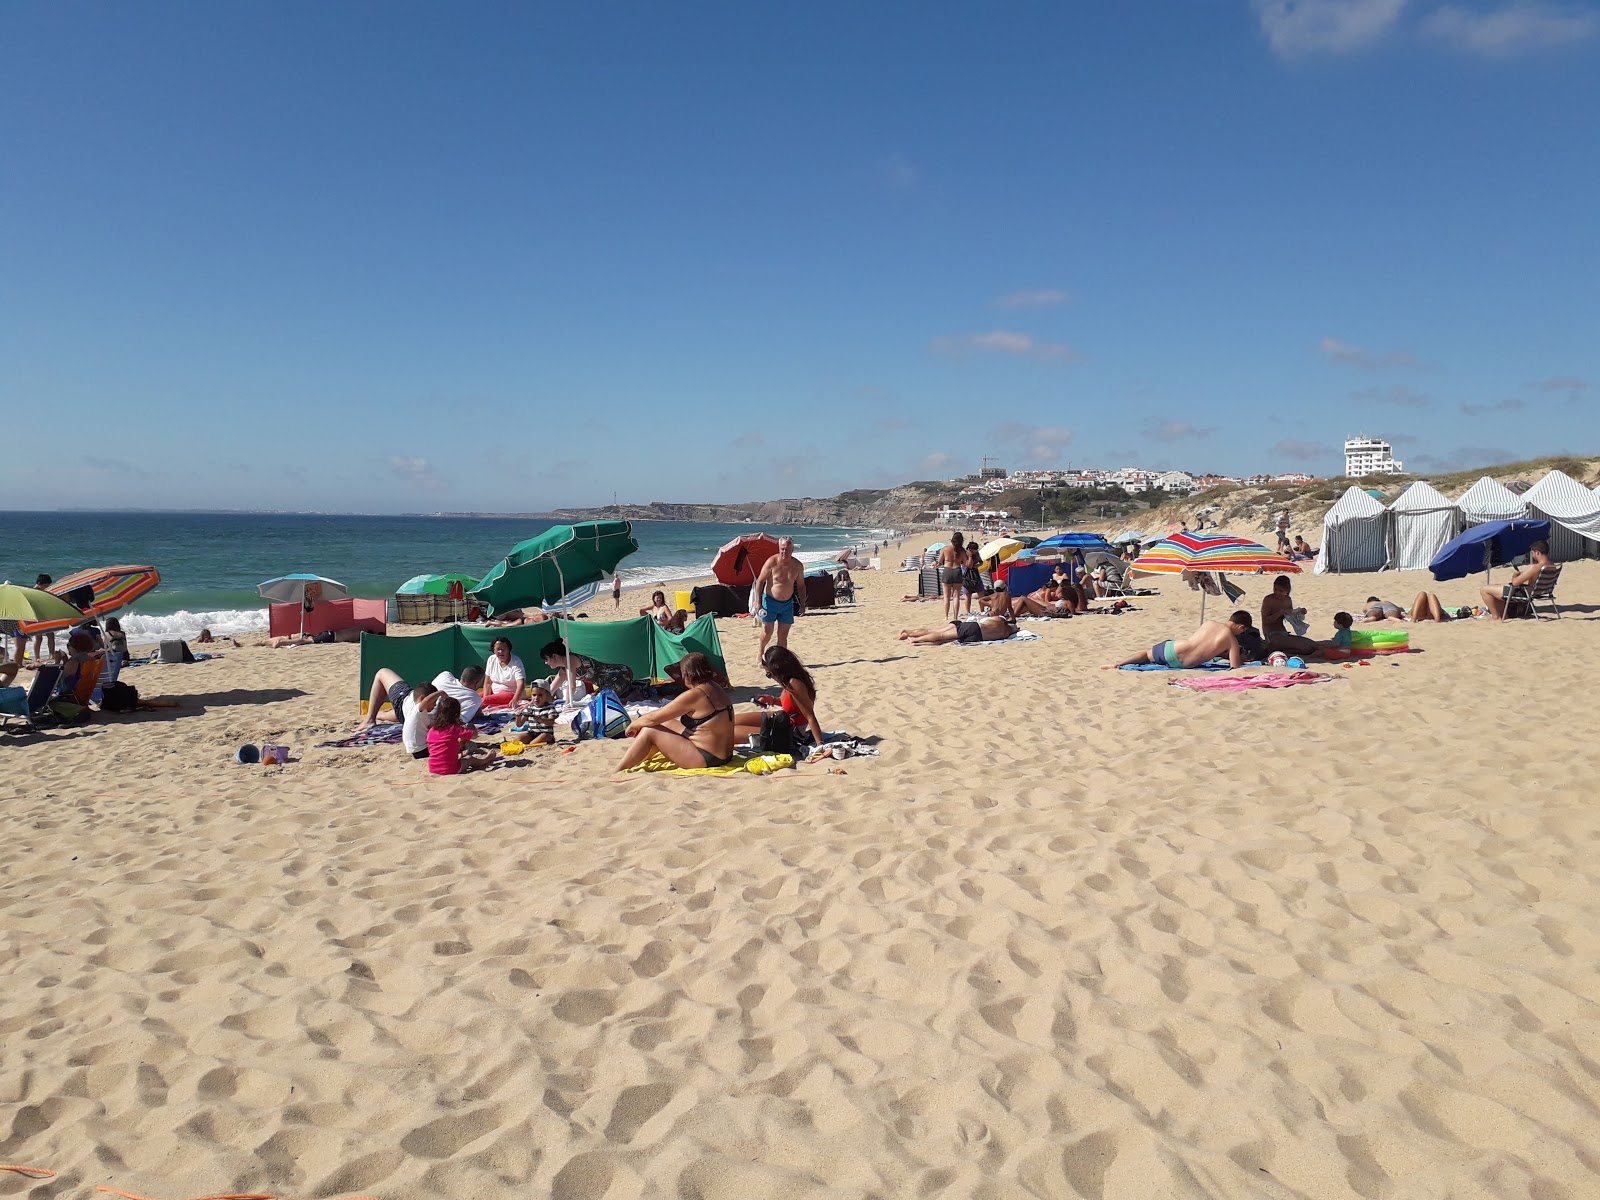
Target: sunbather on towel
{"x":1214,"y":639}
{"x":1381,"y":610}
{"x":990,"y":628}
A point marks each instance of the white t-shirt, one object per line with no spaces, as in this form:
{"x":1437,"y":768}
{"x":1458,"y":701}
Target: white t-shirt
{"x":505,"y":678}
{"x":469,"y":700}
{"x":414,"y":731}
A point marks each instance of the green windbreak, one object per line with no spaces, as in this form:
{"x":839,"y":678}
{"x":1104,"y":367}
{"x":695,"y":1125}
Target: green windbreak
{"x":700,"y":635}
{"x":644,"y":646}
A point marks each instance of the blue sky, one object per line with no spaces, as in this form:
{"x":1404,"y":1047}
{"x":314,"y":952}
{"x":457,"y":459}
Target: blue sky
{"x":405,"y":257}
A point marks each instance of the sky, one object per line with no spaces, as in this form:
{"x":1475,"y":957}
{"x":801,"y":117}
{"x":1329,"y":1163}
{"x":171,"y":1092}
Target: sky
{"x":396,"y":257}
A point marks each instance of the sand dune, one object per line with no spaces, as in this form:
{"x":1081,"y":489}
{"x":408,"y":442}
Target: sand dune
{"x":1074,"y":934}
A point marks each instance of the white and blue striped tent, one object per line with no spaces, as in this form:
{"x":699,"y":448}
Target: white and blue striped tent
{"x":1573,"y":512}
{"x":1490,"y":500}
{"x":1354,"y":535}
{"x":1421,"y":521}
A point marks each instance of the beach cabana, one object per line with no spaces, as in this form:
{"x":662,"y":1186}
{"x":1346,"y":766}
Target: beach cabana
{"x":1573,"y":512}
{"x":1421,"y":521}
{"x":1354,"y":535}
{"x":1490,"y":500}
{"x":639,"y":643}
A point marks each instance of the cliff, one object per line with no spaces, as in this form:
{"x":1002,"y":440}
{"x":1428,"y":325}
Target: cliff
{"x":867,"y":508}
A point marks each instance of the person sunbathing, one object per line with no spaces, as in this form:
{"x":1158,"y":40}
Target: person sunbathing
{"x":1426,"y":607}
{"x":1214,"y":639}
{"x":695,"y":730}
{"x":1044,"y":602}
{"x":994,"y":626}
{"x":1380,"y":610}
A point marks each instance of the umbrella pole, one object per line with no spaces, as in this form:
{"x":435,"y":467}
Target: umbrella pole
{"x":566,"y":632}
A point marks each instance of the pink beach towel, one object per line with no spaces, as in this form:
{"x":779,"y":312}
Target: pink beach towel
{"x":1245,"y":683}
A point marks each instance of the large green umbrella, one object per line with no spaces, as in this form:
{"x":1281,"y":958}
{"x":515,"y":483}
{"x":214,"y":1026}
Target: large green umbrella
{"x":543,"y":569}
{"x":435,"y":585}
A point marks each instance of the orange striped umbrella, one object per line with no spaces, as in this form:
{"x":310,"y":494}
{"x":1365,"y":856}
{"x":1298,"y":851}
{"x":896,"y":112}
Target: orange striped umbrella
{"x":113,"y":587}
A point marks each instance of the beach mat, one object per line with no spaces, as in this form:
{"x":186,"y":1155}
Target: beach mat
{"x":1021,"y":635}
{"x":1246,"y":683}
{"x":659,"y":763}
{"x":1216,"y":664}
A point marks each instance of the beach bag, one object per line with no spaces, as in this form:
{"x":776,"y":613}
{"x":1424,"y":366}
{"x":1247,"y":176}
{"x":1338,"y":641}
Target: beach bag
{"x":776,"y":735}
{"x":603,"y":717}
{"x":119,"y":697}
{"x":68,"y":711}
{"x":175,"y":650}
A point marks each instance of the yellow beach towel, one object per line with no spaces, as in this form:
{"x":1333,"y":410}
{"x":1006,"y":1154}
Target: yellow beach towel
{"x":758,"y":765}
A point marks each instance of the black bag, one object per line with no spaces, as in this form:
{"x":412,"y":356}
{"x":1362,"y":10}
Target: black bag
{"x":119,"y":697}
{"x":776,"y":735}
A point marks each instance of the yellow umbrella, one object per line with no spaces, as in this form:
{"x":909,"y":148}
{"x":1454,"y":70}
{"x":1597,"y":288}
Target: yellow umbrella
{"x":1000,"y":549}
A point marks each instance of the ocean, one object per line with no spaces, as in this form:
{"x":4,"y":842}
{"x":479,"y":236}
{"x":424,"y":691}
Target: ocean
{"x":210,"y":563}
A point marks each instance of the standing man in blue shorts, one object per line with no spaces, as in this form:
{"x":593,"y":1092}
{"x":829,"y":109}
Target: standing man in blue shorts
{"x":776,"y":589}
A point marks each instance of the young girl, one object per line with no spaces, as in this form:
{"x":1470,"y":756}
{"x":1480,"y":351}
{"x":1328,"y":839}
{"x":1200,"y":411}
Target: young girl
{"x":116,"y":644}
{"x":446,"y":737}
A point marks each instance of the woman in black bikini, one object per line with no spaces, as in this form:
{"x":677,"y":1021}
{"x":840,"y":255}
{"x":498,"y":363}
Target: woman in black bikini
{"x":695,"y":730}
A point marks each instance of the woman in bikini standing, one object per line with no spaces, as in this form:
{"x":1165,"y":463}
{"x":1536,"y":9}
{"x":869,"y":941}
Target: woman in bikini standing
{"x":695,"y":730}
{"x":952,"y":561}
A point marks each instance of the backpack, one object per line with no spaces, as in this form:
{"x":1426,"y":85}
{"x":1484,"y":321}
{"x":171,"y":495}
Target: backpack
{"x":603,"y":717}
{"x":119,"y":697}
{"x":776,"y":735}
{"x":68,"y":711}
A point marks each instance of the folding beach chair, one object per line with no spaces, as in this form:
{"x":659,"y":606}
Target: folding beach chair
{"x":44,"y":684}
{"x":1522,"y":598}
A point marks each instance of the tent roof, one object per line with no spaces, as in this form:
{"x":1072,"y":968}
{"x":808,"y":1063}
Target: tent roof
{"x":1421,"y":496}
{"x":1493,"y":499}
{"x":1354,"y":505}
{"x":1561,"y":496}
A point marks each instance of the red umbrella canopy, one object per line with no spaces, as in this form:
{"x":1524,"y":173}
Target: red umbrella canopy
{"x":739,"y":562}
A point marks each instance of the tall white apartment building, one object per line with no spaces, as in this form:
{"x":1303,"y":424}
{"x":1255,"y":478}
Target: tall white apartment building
{"x":1365,"y":455}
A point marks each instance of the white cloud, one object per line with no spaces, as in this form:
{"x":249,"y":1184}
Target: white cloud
{"x":935,"y":463}
{"x":1036,"y":443}
{"x":1510,"y":404}
{"x":1004,"y":341}
{"x":1035,"y":298}
{"x":1355,"y":356}
{"x":1299,"y":448}
{"x":1569,"y":386}
{"x":418,"y":471}
{"x":1176,"y":431}
{"x":1296,"y":27}
{"x":1524,"y":25}
{"x":1395,"y":397}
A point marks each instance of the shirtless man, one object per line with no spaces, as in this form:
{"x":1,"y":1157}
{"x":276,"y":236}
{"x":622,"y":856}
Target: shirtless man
{"x":1495,"y":600}
{"x":992,"y":627}
{"x":776,"y":591}
{"x":952,"y":559}
{"x":1276,"y":608}
{"x":1211,"y":640}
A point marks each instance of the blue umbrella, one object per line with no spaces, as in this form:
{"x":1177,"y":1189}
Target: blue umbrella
{"x":1074,"y":541}
{"x":1491,"y":544}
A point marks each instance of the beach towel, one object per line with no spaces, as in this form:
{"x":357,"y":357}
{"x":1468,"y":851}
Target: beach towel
{"x":1245,"y":683}
{"x":1021,"y":635}
{"x":740,"y":765}
{"x":1216,"y":664}
{"x":387,"y":733}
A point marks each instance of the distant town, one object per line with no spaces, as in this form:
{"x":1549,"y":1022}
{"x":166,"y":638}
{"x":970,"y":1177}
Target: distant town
{"x":1363,"y":456}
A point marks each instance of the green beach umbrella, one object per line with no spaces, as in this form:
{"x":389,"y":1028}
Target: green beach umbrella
{"x":435,"y":585}
{"x":40,"y":610}
{"x":543,"y":569}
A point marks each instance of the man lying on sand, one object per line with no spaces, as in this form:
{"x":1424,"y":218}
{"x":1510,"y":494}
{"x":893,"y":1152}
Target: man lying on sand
{"x":1212,"y":640}
{"x":991,"y":628}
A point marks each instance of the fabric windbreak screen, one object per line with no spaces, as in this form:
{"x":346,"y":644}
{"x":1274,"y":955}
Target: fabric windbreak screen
{"x":642,"y":645}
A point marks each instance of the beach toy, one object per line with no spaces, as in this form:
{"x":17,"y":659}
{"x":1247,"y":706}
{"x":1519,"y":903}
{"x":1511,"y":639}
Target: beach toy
{"x":1379,"y":639}
{"x":1297,"y":663}
{"x":512,"y":747}
{"x":247,"y":754}
{"x":1277,"y":659}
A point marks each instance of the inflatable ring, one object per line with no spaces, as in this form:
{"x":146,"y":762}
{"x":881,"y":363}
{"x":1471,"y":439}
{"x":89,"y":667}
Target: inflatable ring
{"x":1379,"y":639}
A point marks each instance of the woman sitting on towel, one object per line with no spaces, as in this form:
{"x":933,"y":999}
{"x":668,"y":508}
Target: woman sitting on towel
{"x":799,"y":699}
{"x":695,"y":730}
{"x":504,"y":676}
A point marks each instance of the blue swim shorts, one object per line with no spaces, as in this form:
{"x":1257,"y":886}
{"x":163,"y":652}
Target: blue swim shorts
{"x":777,"y":612}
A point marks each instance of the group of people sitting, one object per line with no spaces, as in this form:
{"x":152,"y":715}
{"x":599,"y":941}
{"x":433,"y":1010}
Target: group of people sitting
{"x":86,"y":643}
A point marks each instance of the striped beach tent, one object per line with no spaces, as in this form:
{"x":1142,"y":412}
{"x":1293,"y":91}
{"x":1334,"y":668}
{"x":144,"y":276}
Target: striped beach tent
{"x":1354,"y":535}
{"x":1421,"y":522}
{"x":1490,"y":500}
{"x":1573,"y":512}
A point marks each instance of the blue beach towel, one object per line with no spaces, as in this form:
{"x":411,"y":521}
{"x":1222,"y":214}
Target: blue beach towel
{"x":1216,"y":664}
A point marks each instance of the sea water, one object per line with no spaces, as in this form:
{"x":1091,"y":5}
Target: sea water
{"x":210,"y":563}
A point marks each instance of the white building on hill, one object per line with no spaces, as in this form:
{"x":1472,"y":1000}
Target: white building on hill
{"x":1365,"y":455}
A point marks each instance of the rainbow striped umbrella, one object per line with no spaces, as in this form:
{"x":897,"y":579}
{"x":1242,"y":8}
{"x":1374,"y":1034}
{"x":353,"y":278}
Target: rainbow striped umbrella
{"x":1180,"y":552}
{"x":113,"y":587}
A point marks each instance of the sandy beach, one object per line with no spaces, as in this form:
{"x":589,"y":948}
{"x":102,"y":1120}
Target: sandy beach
{"x":1075,"y":933}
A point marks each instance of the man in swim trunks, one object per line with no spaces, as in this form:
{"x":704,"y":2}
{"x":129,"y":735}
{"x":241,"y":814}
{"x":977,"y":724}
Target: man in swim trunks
{"x":991,"y":628}
{"x":776,"y":589}
{"x":1495,"y":599}
{"x":1214,"y":639}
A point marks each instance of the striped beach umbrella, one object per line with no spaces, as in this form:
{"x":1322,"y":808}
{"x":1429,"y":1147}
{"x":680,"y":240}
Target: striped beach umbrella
{"x":112,"y":588}
{"x":1180,"y":552}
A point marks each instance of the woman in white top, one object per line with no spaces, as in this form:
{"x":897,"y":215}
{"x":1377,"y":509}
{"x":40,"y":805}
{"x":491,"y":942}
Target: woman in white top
{"x":504,"y":676}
